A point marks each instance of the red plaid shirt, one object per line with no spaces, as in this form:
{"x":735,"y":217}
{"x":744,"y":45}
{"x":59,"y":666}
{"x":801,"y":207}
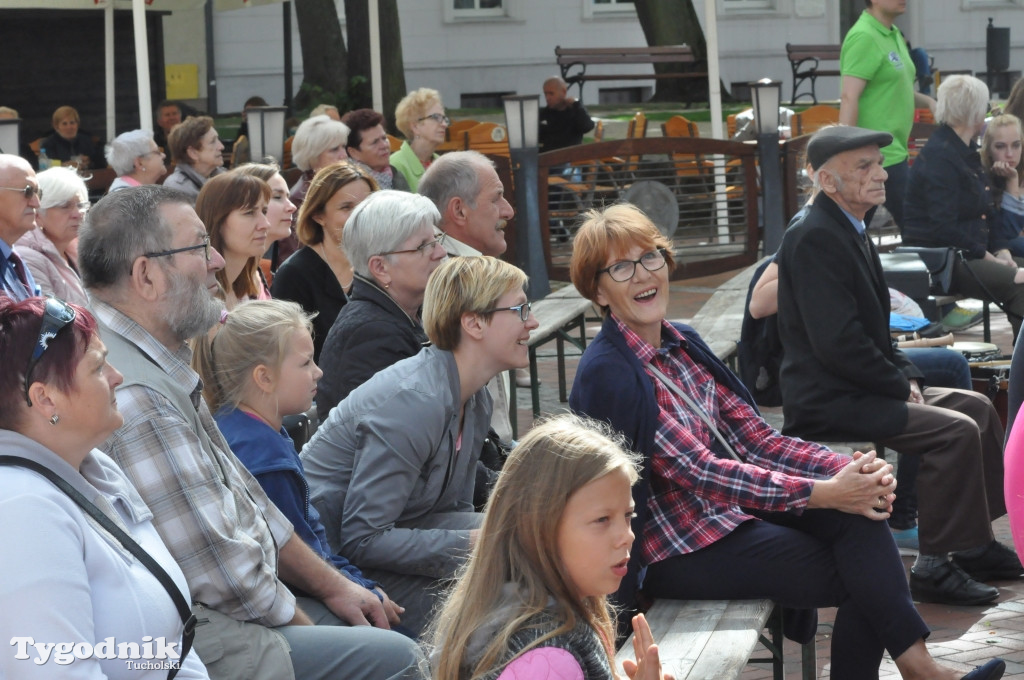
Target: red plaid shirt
{"x":698,"y":497}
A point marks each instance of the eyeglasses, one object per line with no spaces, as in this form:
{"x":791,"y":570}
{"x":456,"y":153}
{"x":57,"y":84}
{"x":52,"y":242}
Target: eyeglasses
{"x":523,"y":310}
{"x":421,"y":249}
{"x":56,"y":315}
{"x":438,"y":118}
{"x":624,"y":270}
{"x":81,"y":206}
{"x":29,"y":191}
{"x":205,"y":245}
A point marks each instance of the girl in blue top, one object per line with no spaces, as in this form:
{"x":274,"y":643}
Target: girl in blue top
{"x":256,"y":369}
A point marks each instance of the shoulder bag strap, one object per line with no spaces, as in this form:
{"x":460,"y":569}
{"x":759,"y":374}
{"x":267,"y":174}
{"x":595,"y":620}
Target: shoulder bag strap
{"x":184,"y":610}
{"x":696,"y":409}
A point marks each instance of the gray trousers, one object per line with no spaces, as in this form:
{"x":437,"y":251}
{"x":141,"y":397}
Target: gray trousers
{"x":420,"y":595}
{"x":960,"y":481}
{"x":330,"y":650}
{"x":997,"y":279}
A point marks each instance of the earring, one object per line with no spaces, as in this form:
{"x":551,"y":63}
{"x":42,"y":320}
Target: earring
{"x":54,"y":419}
{"x":387,"y":285}
{"x":142,"y":168}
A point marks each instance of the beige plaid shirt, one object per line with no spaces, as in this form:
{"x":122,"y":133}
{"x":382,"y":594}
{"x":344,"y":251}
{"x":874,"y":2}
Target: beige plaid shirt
{"x":210,"y":511}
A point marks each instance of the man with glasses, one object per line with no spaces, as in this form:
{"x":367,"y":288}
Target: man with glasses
{"x":146,"y":260}
{"x":468,"y":193}
{"x":19,"y":199}
{"x":841,"y":378}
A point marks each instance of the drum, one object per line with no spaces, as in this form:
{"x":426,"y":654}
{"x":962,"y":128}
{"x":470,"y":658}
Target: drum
{"x":976,"y":351}
{"x":992,"y":378}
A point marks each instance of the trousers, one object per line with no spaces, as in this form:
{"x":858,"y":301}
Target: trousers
{"x":820,"y":558}
{"x":959,"y":439}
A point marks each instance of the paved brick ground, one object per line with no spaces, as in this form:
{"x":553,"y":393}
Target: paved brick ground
{"x":962,"y":637}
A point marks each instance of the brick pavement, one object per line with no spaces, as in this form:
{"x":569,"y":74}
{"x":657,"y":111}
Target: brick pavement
{"x":962,"y":637}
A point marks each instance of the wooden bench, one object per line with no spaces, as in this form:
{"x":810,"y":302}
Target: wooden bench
{"x":700,"y":639}
{"x":720,"y":319}
{"x":568,"y":58}
{"x":805,"y":61}
{"x":559,"y":315}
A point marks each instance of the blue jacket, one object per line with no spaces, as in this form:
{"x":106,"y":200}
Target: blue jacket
{"x":271,"y":458}
{"x":612,"y":385}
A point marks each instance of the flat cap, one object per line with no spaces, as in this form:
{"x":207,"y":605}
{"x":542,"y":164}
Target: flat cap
{"x":835,"y":139}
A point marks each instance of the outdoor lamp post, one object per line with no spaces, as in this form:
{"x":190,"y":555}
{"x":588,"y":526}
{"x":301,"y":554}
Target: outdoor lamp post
{"x":10,"y":135}
{"x":522,"y":118}
{"x":266,"y":131}
{"x":766,"y":95}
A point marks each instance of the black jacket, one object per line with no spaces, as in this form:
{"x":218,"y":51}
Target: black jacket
{"x":305,"y":278}
{"x":949,"y":199}
{"x":841,"y":375}
{"x":371,"y":333}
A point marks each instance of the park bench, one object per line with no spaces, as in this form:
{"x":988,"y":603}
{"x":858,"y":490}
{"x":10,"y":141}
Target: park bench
{"x":559,"y":314}
{"x":805,"y":61}
{"x":687,"y":65}
{"x":700,"y":639}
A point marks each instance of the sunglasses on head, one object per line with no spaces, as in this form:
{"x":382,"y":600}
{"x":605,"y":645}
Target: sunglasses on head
{"x":57,"y":314}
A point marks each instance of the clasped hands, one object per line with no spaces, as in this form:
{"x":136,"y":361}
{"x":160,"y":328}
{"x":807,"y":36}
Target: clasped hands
{"x":865,"y":486}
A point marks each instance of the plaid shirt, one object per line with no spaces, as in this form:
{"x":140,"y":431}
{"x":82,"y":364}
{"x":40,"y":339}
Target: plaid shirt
{"x":698,"y":497}
{"x":213,"y":515}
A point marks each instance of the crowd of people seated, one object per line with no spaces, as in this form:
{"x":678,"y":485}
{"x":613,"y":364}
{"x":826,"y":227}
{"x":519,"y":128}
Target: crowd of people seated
{"x":155,"y":345}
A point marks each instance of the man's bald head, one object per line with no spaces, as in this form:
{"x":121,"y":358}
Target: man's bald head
{"x":17,"y":211}
{"x":555,"y":90}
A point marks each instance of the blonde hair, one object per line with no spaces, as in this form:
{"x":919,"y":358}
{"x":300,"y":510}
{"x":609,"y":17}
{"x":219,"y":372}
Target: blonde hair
{"x":413,"y":106}
{"x":518,"y":544}
{"x":64,"y":112}
{"x":465,"y":285}
{"x":254,"y":333}
{"x":1000,"y":121}
{"x":609,"y":232}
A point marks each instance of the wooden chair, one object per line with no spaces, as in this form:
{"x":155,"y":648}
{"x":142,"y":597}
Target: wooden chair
{"x":487,"y":138}
{"x":457,"y":127}
{"x":679,"y":126}
{"x":812,"y":119}
{"x":687,"y":164}
{"x":637,"y":126}
{"x":394,"y":142}
{"x":730,"y":125}
{"x":924,"y":116}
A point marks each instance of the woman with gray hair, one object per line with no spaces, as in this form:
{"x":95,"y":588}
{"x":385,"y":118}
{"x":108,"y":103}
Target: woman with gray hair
{"x":394,"y":245}
{"x":48,"y":250}
{"x":950,"y":201}
{"x":319,"y":141}
{"x":136,"y":159}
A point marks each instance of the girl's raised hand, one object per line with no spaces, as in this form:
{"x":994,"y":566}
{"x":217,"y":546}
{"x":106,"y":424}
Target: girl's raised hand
{"x":647,"y":665}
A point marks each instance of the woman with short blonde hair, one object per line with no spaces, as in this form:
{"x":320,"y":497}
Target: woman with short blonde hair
{"x":398,"y":499}
{"x":420,"y":117}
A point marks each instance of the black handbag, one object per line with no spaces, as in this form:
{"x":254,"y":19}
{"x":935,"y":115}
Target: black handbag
{"x":188,"y":619}
{"x":940,"y":262}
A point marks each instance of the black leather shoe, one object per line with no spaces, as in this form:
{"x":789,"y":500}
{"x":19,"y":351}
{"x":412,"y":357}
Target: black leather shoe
{"x":993,"y":670}
{"x":950,"y":585}
{"x":997,"y":563}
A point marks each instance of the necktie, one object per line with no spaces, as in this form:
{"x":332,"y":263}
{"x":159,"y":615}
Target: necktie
{"x":15,"y":280}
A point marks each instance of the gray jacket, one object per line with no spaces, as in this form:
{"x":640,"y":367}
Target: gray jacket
{"x":385,"y":463}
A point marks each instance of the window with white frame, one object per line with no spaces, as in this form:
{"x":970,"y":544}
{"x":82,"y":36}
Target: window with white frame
{"x":604,"y":8}
{"x":747,"y":5}
{"x":478,"y":8}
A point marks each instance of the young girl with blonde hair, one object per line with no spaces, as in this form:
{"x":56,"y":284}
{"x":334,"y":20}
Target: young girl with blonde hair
{"x":258,"y":368}
{"x":531,"y":602}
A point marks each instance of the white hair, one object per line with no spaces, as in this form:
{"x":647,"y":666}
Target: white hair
{"x":382,"y":222}
{"x":126,"y":147}
{"x":59,"y":185}
{"x":314,"y":136}
{"x":963,"y":100}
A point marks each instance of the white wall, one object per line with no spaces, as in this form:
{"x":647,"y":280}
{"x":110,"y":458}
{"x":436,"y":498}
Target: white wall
{"x":515,"y":53}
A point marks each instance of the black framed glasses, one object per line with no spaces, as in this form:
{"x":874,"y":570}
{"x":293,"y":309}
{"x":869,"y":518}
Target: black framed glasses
{"x":522,"y":310}
{"x":28,"y":192}
{"x":205,"y":245}
{"x":438,"y":118}
{"x":421,"y":249}
{"x":624,"y":270}
{"x":57,"y":314}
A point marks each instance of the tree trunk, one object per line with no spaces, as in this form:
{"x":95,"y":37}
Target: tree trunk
{"x":392,"y":67}
{"x":674,"y":22}
{"x":324,"y":60}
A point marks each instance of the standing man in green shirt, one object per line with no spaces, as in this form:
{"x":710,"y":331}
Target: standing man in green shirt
{"x":878,"y":90}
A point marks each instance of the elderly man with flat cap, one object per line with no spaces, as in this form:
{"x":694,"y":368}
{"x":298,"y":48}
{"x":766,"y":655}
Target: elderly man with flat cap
{"x":842,"y":378}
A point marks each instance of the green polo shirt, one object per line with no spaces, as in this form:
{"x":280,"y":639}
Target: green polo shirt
{"x":879,"y":55}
